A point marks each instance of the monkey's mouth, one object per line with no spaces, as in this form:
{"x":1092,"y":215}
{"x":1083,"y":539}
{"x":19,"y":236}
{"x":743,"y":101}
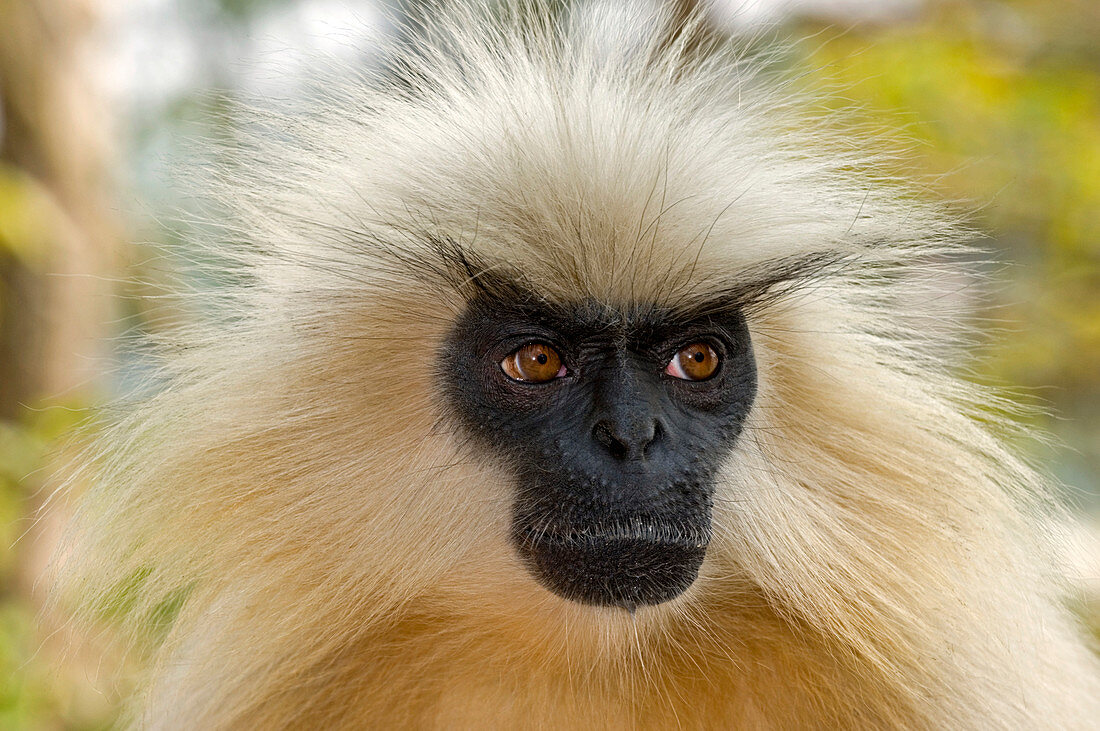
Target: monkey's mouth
{"x":639,"y":563}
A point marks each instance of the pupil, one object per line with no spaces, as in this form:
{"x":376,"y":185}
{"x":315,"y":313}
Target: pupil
{"x":541,"y":358}
{"x":698,"y":357}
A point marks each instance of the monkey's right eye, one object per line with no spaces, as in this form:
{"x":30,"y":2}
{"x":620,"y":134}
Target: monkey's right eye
{"x":533,"y":363}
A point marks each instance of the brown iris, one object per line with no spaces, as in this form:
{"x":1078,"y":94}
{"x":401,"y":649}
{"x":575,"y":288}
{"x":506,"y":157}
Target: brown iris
{"x":695,"y":362}
{"x":533,"y":363}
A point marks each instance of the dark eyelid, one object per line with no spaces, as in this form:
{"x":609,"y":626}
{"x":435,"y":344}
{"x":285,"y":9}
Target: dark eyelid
{"x":512,"y":342}
{"x":672,"y":346}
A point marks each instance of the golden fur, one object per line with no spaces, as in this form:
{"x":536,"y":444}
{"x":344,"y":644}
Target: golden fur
{"x":341,"y":554}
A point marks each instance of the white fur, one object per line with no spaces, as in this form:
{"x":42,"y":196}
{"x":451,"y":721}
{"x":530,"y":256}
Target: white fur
{"x":345,"y":556}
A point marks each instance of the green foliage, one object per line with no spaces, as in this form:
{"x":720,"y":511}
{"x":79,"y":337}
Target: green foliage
{"x":123,"y":598}
{"x":1002,"y":101}
{"x":26,"y":216}
{"x":1004,"y":107}
{"x":26,"y":696}
{"x":241,"y":11}
{"x":164,"y":613}
{"x":34,"y":691}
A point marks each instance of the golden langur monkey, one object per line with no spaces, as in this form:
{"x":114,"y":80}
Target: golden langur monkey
{"x":569,"y":381}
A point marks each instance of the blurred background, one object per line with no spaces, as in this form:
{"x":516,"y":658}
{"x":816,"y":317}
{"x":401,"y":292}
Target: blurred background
{"x":998,"y":102}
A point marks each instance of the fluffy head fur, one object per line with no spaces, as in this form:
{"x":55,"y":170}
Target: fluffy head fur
{"x":340,"y":552}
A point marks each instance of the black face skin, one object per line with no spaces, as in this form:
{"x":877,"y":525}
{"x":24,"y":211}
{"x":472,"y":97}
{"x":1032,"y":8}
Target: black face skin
{"x":615,"y":461}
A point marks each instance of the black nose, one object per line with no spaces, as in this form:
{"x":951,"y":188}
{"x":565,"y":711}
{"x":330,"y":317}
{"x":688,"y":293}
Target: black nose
{"x":626,"y":441}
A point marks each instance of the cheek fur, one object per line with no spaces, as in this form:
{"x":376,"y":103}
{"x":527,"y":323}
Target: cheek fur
{"x":354,"y":543}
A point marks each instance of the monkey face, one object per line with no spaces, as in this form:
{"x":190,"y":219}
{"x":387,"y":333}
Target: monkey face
{"x":613,"y":422}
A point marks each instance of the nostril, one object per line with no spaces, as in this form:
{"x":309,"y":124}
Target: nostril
{"x":604,"y":433}
{"x":618,"y":449}
{"x":635,"y":444}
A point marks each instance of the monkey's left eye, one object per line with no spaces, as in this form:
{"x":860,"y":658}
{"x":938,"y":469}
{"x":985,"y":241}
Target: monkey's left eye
{"x":695,"y":362}
{"x":533,"y":363}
